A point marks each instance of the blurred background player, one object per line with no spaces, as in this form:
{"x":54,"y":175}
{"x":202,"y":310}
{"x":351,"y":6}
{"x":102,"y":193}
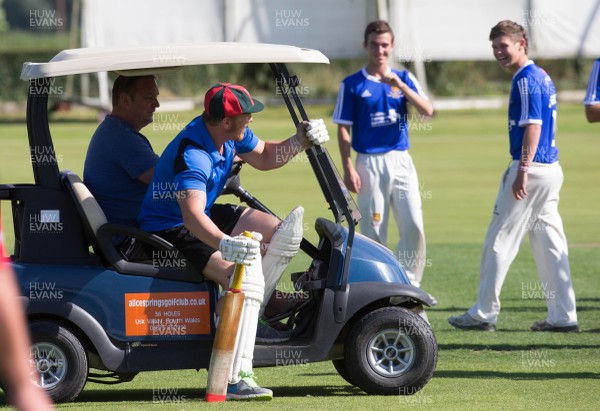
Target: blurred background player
{"x":592,"y":96}
{"x":15,"y":367}
{"x":372,"y":117}
{"x":527,"y":202}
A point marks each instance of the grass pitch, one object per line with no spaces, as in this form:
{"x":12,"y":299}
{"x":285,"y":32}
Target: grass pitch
{"x":460,"y":157}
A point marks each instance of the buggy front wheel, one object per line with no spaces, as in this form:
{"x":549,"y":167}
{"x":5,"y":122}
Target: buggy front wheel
{"x":390,"y":351}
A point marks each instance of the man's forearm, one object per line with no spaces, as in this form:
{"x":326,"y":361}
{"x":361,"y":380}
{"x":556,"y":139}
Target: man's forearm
{"x":531,"y":139}
{"x":423,"y":106}
{"x":345,"y":145}
{"x":278,"y":153}
{"x":592,"y":113}
{"x":192,"y":204}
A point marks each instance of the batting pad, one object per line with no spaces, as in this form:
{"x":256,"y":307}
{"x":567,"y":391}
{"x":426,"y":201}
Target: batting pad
{"x":283,"y":247}
{"x":253,"y":286}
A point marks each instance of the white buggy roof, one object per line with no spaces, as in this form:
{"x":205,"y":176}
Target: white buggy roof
{"x":134,"y":60}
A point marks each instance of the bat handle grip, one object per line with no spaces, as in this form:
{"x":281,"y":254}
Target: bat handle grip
{"x":236,"y":284}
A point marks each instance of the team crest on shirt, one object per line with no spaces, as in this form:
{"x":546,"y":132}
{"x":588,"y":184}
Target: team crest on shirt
{"x":395,"y":93}
{"x":376,"y":217}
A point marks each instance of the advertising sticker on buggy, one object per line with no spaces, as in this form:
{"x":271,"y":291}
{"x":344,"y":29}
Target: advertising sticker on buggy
{"x":174,"y":313}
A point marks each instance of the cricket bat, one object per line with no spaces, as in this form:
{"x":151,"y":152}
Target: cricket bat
{"x":221,"y":358}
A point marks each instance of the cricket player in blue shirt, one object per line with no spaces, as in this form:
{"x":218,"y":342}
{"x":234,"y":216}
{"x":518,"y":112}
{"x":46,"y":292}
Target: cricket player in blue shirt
{"x":527,"y":202}
{"x":180,"y":206}
{"x":372,"y":117}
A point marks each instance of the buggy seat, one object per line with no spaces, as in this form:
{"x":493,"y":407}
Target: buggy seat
{"x":99,"y":232}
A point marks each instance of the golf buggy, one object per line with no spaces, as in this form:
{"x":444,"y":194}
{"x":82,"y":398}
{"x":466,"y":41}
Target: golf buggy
{"x":89,"y":308}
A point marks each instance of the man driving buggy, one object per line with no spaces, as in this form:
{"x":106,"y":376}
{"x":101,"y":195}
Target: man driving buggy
{"x":180,"y":207}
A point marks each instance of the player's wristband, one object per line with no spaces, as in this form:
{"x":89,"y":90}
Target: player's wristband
{"x":523,"y":168}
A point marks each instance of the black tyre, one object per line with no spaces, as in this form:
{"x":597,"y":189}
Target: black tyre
{"x":60,"y":359}
{"x":390,"y":351}
{"x":340,"y":367}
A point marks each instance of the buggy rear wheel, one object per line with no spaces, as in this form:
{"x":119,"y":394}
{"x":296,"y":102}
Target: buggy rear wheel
{"x":60,"y":360}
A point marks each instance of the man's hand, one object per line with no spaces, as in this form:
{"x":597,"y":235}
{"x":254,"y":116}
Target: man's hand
{"x":392,"y":79}
{"x":352,"y":180}
{"x":519,"y":187}
{"x":240,"y":249}
{"x":312,"y":133}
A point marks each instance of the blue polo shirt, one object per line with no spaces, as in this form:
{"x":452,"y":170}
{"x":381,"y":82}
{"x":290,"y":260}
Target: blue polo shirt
{"x":116,"y":157}
{"x":376,"y":111}
{"x":533,"y":101}
{"x":190,"y":162}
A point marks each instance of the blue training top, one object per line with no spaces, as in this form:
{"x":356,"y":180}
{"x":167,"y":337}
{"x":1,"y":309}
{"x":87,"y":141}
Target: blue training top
{"x":592,"y":95}
{"x":190,"y":161}
{"x":116,"y":157}
{"x":532,"y":101}
{"x":376,"y":111}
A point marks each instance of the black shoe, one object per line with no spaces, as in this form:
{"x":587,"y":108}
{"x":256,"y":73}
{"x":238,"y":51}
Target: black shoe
{"x":466,"y":322}
{"x":542,"y":325}
{"x":265,"y":334}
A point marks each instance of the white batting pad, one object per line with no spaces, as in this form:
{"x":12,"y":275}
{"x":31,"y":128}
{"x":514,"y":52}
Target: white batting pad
{"x":253,"y":286}
{"x":283,"y":247}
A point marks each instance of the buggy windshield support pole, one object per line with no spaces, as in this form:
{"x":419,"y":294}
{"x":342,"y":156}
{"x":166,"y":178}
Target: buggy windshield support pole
{"x":43,"y":156}
{"x":328,"y":180}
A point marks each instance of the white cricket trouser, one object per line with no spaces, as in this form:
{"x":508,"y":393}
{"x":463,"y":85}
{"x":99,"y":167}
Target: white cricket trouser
{"x":391,"y":179}
{"x":536,"y":215}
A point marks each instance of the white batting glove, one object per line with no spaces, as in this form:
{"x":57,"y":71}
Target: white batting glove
{"x":312,"y":133}
{"x":317,"y":132}
{"x":240,"y":249}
